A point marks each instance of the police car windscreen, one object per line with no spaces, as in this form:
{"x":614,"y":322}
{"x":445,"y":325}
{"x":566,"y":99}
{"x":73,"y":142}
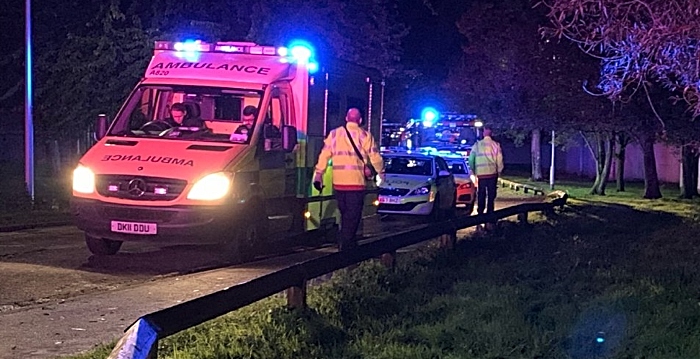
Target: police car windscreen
{"x":408,"y":166}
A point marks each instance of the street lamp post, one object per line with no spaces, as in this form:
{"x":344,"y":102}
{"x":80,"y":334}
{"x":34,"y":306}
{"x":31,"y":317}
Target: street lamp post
{"x":551,"y":167}
{"x":28,"y":123}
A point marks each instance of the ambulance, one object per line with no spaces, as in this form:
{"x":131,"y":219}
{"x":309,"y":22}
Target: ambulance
{"x":147,"y":181}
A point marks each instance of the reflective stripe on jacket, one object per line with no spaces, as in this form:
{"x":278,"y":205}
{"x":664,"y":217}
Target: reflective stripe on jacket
{"x":348,"y":169}
{"x":485,"y":158}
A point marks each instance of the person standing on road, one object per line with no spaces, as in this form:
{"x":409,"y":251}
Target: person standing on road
{"x":350,"y":147}
{"x":486,"y":161}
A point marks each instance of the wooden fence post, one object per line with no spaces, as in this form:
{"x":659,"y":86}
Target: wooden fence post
{"x":448,"y":240}
{"x":296,"y":296}
{"x":388,"y":259}
{"x":522,"y":218}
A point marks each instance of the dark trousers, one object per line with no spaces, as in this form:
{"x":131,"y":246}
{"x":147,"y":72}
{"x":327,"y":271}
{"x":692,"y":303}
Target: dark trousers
{"x":350,"y":204}
{"x":486,"y":194}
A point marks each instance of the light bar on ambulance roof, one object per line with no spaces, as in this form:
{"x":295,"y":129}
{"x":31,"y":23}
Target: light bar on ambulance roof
{"x":228,"y":46}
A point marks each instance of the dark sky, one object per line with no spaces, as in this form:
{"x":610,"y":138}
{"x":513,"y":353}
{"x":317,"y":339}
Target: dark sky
{"x":433,"y":41}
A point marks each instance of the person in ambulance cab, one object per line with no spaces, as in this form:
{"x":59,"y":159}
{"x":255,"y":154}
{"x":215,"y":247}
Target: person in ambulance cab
{"x":350,"y":147}
{"x":249,"y":113}
{"x":179,"y":117}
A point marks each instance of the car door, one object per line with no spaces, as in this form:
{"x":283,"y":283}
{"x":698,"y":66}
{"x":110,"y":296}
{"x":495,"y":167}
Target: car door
{"x":446,"y":185}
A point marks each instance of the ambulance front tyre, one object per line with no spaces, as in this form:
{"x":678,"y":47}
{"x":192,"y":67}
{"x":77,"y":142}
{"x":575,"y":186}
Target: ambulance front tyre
{"x":248,"y":236}
{"x":102,"y":246}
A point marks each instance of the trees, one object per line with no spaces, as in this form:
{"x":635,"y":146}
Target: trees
{"x":638,"y":42}
{"x":513,"y":77}
{"x":90,"y":72}
{"x":366,"y":32}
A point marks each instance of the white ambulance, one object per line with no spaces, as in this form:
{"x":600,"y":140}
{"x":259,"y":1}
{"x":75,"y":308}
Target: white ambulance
{"x":147,"y":180}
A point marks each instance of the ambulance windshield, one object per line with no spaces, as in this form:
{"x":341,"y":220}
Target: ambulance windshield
{"x":188,"y":113}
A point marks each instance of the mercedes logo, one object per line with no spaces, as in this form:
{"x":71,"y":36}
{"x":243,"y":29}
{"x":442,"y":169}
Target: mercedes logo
{"x":136,"y":187}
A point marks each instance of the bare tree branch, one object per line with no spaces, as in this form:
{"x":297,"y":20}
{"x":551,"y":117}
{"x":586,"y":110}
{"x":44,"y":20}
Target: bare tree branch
{"x":637,"y":41}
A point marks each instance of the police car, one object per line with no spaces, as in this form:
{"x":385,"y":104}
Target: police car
{"x":416,"y":184}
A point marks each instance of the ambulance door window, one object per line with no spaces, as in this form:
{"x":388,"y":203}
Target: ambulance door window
{"x":143,"y":110}
{"x":275,"y":117}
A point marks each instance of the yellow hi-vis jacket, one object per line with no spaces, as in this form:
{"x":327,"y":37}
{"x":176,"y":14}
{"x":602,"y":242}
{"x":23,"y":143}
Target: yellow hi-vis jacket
{"x":486,"y":159}
{"x":348,"y":169}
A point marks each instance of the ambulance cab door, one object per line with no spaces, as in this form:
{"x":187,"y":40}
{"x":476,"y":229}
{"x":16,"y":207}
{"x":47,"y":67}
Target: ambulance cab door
{"x":277,"y":167}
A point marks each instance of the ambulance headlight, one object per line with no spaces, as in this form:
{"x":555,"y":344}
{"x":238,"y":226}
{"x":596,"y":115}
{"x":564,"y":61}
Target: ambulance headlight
{"x":83,"y":180}
{"x":211,"y":187}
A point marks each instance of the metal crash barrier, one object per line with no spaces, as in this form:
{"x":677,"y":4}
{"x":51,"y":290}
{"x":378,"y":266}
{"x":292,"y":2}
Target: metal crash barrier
{"x":141,"y":339}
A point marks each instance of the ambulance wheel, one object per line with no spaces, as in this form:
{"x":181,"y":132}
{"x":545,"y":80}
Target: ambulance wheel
{"x":243,"y":246}
{"x":248,"y":236}
{"x":102,"y":246}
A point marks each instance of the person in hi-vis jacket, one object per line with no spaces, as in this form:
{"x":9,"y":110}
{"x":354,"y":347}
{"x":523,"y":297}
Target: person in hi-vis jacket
{"x":486,"y":162}
{"x":349,"y":172}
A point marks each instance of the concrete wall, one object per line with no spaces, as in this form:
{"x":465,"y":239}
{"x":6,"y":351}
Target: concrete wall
{"x":578,"y":160}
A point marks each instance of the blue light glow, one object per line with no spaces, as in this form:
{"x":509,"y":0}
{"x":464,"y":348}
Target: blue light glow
{"x":312,"y":67}
{"x":188,"y":50}
{"x":301,"y":51}
{"x":428,"y":116}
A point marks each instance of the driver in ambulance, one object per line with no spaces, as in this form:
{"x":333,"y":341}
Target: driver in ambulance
{"x":178,"y":117}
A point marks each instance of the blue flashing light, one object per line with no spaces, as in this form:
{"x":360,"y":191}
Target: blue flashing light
{"x":190,"y":49}
{"x":301,"y":51}
{"x":189,"y":46}
{"x":312,"y":67}
{"x":282,"y":51}
{"x":429,"y":115}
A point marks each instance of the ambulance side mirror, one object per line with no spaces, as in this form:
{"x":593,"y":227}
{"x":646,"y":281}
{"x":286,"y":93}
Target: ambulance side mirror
{"x":101,"y":124}
{"x":289,"y":138}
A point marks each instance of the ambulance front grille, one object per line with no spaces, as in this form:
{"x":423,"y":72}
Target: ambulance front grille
{"x":137,"y":214}
{"x":139,"y":188}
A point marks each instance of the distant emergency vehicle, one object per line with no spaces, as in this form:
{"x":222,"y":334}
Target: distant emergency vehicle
{"x":448,"y":131}
{"x":145,"y":182}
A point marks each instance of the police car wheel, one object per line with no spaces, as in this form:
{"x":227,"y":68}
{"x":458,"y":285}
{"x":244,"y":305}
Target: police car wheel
{"x":102,"y":246}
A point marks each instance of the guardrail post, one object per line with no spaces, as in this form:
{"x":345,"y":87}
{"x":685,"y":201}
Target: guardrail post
{"x":296,"y":296}
{"x":448,"y":240}
{"x":388,"y":259}
{"x":522,"y":218}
